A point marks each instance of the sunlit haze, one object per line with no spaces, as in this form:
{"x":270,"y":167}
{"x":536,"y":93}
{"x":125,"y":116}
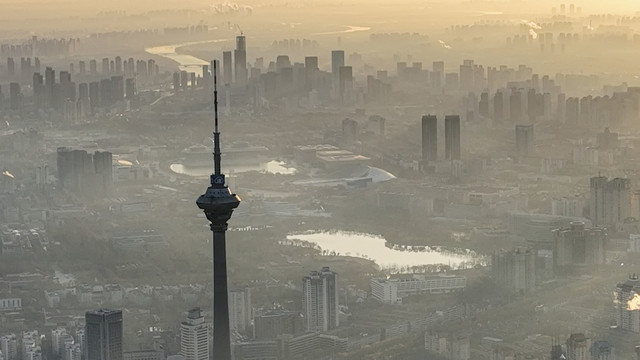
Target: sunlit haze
{"x":319,"y":180}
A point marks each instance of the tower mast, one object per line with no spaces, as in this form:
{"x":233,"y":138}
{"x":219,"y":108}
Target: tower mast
{"x":218,"y":203}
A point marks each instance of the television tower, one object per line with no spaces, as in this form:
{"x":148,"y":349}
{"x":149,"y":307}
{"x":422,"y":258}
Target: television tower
{"x":218,"y":203}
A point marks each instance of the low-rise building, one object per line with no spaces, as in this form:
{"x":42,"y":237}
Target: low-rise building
{"x":11,"y":304}
{"x":392,"y":289}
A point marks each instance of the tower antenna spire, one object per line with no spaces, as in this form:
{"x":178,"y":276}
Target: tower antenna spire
{"x":216,"y":132}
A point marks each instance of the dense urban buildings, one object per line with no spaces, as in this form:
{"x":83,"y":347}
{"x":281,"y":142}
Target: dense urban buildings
{"x":499,"y":232}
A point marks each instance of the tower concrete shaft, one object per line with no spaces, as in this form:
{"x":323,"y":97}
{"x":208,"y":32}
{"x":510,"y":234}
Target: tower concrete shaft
{"x":218,"y":203}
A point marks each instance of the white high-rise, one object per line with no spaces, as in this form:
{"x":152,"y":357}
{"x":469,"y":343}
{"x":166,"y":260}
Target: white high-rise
{"x":9,"y":347}
{"x":320,"y":300}
{"x":627,"y":310}
{"x":194,"y":337}
{"x":240,"y":310}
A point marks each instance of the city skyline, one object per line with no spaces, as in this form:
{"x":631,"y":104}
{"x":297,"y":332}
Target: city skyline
{"x":449,"y":180}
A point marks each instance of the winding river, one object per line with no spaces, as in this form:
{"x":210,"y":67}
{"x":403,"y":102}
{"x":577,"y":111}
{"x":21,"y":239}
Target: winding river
{"x":191,"y":63}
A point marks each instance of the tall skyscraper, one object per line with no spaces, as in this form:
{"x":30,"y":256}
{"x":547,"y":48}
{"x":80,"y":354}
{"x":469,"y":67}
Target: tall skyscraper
{"x":337,"y":61}
{"x":452,"y":137}
{"x":194,"y":337}
{"x":49,"y":83}
{"x":227,"y":68}
{"x":429,"y":138}
{"x":320,"y":300}
{"x":240,"y":60}
{"x":610,"y":200}
{"x":104,"y":334}
{"x":218,"y":203}
{"x":345,"y":81}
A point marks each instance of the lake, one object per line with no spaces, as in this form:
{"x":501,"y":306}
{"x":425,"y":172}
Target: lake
{"x":386,"y":256}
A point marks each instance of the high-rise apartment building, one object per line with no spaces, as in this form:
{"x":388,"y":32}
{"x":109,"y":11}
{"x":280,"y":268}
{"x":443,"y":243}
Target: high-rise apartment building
{"x":515,"y":270}
{"x":578,"y":347}
{"x":578,"y":247}
{"x":105,"y":66}
{"x":103,"y":332}
{"x":194,"y":337}
{"x":84,"y":172}
{"x":610,"y":201}
{"x":118,"y":65}
{"x":320,"y":300}
{"x":452,"y":137}
{"x":349,"y":131}
{"x":9,"y":346}
{"x":240,"y":309}
{"x":524,"y":140}
{"x":602,"y":350}
{"x":627,"y":304}
{"x":437,"y":75}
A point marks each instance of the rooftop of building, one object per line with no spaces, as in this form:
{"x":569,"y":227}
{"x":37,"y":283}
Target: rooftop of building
{"x":103,"y":312}
{"x":420,"y":277}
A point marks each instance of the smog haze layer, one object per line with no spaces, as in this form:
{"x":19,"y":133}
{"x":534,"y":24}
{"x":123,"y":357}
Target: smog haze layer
{"x":356,"y":180}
